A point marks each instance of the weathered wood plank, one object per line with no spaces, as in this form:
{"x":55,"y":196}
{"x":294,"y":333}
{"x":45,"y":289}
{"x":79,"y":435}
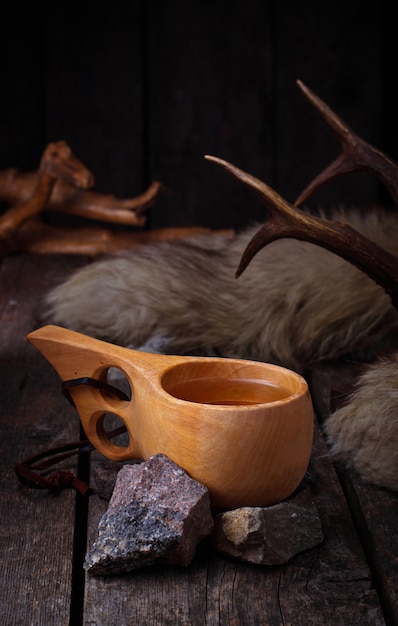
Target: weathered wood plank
{"x":36,"y":538}
{"x":374,"y":510}
{"x":223,"y":81}
{"x":94,"y":90}
{"x":211,"y":69}
{"x":337,"y":55}
{"x":21,"y":111}
{"x":376,"y":514}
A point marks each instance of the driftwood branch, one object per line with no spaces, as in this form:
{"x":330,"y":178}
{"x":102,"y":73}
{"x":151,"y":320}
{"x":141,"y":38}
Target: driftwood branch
{"x":17,"y":187}
{"x":39,"y":238}
{"x":57,"y":161}
{"x":62,"y":183}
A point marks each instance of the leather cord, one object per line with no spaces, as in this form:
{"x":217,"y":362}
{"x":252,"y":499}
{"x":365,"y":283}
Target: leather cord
{"x":29,"y":470}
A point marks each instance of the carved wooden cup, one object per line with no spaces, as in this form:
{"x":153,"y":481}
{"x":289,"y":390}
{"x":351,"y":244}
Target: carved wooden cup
{"x":242,"y":428}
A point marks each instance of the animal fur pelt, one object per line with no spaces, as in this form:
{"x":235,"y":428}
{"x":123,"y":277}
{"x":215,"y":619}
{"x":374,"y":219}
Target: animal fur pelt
{"x":296,"y":305}
{"x":364,"y":433}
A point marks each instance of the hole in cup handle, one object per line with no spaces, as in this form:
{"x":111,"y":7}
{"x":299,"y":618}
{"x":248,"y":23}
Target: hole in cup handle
{"x":102,"y":439}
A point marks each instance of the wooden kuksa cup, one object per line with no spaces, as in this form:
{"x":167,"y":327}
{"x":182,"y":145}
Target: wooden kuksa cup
{"x":242,"y":428}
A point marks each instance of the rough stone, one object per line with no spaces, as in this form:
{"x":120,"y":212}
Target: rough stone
{"x":157,"y":513}
{"x":269,"y":535}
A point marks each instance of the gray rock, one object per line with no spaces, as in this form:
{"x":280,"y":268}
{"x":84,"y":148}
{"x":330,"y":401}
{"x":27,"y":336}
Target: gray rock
{"x":157,"y":513}
{"x":269,"y":535}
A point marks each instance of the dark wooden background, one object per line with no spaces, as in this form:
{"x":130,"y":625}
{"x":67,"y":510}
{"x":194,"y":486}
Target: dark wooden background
{"x":142,"y":90}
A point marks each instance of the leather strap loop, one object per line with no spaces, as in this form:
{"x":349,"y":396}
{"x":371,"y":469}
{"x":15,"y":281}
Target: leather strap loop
{"x":28,"y":471}
{"x":67,"y":385}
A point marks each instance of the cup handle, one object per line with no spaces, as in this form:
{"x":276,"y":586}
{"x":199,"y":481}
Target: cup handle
{"x":80,"y":362}
{"x":102,"y":437}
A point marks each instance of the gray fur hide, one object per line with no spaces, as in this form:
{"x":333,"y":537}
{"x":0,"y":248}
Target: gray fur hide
{"x":296,"y":305}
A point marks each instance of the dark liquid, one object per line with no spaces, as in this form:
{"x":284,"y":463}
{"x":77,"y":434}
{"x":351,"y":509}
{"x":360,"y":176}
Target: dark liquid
{"x":229,"y":392}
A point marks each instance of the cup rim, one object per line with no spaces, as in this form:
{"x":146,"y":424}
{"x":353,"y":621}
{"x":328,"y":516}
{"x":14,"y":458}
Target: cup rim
{"x":302,"y":385}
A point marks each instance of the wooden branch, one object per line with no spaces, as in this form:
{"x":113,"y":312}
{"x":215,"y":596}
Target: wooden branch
{"x":61,"y":184}
{"x":57,"y":161}
{"x":286,"y":221}
{"x":356,"y":154}
{"x":12,"y":219}
{"x":17,"y":187}
{"x":38,"y":238}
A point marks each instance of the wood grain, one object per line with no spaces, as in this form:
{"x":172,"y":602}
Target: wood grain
{"x":374,"y":510}
{"x":36,"y":539}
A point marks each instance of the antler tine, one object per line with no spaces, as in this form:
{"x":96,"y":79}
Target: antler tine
{"x":286,"y":221}
{"x":356,"y":154}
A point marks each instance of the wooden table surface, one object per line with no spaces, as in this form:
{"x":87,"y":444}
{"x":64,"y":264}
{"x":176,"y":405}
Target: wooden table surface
{"x":351,"y":578}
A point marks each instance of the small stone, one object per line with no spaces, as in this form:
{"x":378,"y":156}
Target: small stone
{"x":269,"y":535}
{"x":157,"y":514}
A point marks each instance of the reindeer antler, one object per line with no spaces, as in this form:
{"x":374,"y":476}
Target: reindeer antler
{"x":288,"y":221}
{"x":356,"y":154}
